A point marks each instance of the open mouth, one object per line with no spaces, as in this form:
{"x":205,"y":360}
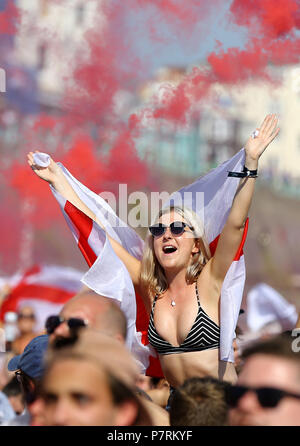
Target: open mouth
{"x":169,"y":249}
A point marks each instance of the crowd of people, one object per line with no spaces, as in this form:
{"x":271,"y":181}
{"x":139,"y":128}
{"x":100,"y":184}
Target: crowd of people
{"x":81,"y":372}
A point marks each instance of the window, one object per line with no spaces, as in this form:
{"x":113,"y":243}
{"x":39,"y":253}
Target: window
{"x":41,"y":56}
{"x":79,"y":14}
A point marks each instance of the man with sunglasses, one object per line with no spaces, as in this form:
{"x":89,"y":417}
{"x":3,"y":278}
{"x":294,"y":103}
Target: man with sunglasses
{"x":88,"y":309}
{"x":26,"y":327}
{"x":268,"y":388}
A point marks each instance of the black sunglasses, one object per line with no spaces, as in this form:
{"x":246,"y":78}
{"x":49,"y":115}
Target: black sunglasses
{"x":177,"y":228}
{"x":26,"y":316}
{"x":267,"y":396}
{"x":73,"y":323}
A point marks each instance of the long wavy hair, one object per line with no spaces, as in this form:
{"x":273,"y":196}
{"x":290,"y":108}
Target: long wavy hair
{"x":153,"y":278}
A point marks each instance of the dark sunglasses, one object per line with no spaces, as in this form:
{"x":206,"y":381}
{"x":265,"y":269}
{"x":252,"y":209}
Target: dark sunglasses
{"x":177,"y":228}
{"x":73,"y":323}
{"x":267,"y":396}
{"x":26,"y":316}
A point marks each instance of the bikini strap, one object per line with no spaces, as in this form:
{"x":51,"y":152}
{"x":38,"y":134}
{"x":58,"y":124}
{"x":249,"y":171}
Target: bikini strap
{"x":154,"y":302}
{"x":197,"y":294}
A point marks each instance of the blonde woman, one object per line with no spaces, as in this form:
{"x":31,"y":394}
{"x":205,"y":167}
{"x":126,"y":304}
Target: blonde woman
{"x":179,"y":281}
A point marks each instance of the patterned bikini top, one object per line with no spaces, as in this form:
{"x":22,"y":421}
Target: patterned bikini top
{"x":204,"y":334}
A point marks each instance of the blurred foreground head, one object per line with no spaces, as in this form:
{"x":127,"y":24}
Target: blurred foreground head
{"x":92,"y":310}
{"x":268,"y":388}
{"x":91,"y":382}
{"x":199,"y":402}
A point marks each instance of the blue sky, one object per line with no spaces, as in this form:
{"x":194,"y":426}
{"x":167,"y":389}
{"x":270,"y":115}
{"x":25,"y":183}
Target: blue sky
{"x":179,"y":47}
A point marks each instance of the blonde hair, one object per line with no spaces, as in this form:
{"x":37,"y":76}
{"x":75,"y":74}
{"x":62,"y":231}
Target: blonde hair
{"x":153,"y":278}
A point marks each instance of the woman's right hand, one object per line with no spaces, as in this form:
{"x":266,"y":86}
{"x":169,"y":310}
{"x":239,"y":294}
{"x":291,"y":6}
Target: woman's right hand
{"x":49,"y":174}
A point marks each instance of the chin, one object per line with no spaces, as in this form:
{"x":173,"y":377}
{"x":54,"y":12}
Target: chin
{"x":247,"y":420}
{"x":170,"y":264}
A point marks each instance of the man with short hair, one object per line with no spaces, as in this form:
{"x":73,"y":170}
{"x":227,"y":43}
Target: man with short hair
{"x":91,"y":382}
{"x":199,"y":402}
{"x":102,"y":314}
{"x":89,"y":309}
{"x":268,"y":388}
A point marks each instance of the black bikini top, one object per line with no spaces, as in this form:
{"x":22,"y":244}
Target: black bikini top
{"x":203,"y":335}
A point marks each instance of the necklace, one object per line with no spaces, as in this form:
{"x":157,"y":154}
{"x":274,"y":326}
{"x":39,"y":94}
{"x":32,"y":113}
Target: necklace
{"x":173,"y":303}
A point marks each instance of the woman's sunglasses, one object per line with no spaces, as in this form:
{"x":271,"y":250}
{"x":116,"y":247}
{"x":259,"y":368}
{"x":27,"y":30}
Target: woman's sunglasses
{"x":267,"y":396}
{"x":177,"y":228}
{"x":73,"y":323}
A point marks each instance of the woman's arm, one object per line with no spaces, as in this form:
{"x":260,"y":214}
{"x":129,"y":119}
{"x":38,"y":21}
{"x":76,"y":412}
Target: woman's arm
{"x":232,"y":233}
{"x":54,"y":176}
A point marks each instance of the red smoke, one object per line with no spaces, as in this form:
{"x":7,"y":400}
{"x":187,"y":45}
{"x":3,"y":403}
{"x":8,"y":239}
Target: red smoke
{"x":237,"y":65}
{"x":125,"y":164}
{"x":10,"y":233}
{"x":107,"y":65}
{"x":271,"y":26}
{"x":9,"y":19}
{"x":269,"y":18}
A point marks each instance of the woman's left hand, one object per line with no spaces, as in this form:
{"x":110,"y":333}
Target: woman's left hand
{"x":266,"y":133}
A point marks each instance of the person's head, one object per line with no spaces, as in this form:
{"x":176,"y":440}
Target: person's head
{"x":92,"y":310}
{"x":13,"y":391}
{"x":91,"y":382}
{"x":26,"y":320}
{"x":177,"y":242}
{"x":199,"y":402}
{"x":144,"y":382}
{"x":160,"y":383}
{"x":29,"y":367}
{"x":268,"y":386}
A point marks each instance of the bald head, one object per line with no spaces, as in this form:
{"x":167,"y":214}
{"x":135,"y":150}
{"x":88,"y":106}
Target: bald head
{"x":100,"y":313}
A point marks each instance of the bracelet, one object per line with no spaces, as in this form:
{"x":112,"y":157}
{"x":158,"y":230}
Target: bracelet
{"x":246,"y":173}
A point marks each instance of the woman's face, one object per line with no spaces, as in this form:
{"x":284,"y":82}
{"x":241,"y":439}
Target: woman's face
{"x":174,"y":252}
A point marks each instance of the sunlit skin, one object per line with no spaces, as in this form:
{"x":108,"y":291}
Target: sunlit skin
{"x":74,"y":309}
{"x":174,"y":323}
{"x":268,"y":371}
{"x":89,"y":308}
{"x":160,"y":394}
{"x":76,"y":393}
{"x":26,"y":327}
{"x":26,"y":324}
{"x":185,"y":244}
{"x":17,"y":403}
{"x":144,"y":382}
{"x":36,"y":410}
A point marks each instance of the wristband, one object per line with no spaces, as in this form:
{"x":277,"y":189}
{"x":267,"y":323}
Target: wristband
{"x":246,"y":173}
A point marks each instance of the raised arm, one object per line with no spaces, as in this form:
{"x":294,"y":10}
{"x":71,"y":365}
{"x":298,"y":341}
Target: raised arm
{"x":55,"y":177}
{"x":232,"y":233}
